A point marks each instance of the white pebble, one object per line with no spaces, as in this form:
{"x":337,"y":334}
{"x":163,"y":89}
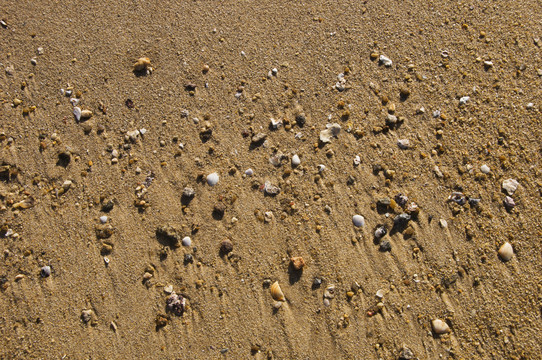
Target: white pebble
{"x":296,"y":160}
{"x":463,"y":100}
{"x":249,"y":172}
{"x":440,"y":327}
{"x":186,"y":241}
{"x":358,"y":220}
{"x":212,"y":179}
{"x":321,"y":167}
{"x":530,"y":106}
{"x":443,"y":223}
{"x":103,"y":219}
{"x":506,"y":251}
{"x":485,"y":169}
{"x":403,"y":143}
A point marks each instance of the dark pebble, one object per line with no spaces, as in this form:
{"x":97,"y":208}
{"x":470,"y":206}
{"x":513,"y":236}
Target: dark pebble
{"x":385,"y":246}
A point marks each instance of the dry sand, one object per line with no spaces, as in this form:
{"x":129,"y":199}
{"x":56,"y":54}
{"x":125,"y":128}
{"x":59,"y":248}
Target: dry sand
{"x":453,"y":273}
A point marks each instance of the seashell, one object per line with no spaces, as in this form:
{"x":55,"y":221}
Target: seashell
{"x":276,"y":292}
{"x":358,"y":220}
{"x":296,"y":160}
{"x":142,"y":64}
{"x":212,"y":179}
{"x":25,"y":204}
{"x":329,"y":293}
{"x":332,"y":130}
{"x":510,"y":186}
{"x":385,"y":61}
{"x":440,"y":327}
{"x":186,"y":241}
{"x":77,"y":113}
{"x":86,"y":114}
{"x":506,"y":252}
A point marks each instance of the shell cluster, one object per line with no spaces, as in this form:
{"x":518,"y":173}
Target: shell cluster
{"x":175,"y":303}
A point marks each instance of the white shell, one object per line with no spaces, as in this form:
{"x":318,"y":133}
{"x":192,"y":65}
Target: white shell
{"x":330,"y":131}
{"x":357,"y":160}
{"x":358,"y":220}
{"x":510,"y":185}
{"x":440,"y":327}
{"x":506,"y":251}
{"x":463,"y":100}
{"x":385,"y":61}
{"x":249,"y":172}
{"x":296,"y":160}
{"x":77,"y":113}
{"x":212,"y":179}
{"x":186,"y":241}
{"x":485,"y":169}
{"x":103,"y":219}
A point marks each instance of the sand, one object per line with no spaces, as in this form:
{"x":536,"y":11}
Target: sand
{"x":199,"y":122}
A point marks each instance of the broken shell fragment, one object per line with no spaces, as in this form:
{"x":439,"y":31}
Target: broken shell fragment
{"x":332,"y":130}
{"x":276,"y":292}
{"x":440,"y":327}
{"x":77,"y":113}
{"x":142,"y":64}
{"x":25,"y":204}
{"x":506,"y":252}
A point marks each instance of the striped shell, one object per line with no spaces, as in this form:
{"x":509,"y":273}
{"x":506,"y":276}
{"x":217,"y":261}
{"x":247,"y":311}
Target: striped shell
{"x":276,"y":292}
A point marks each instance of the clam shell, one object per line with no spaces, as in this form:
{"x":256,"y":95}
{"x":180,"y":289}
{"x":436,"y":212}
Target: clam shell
{"x":506,"y":252}
{"x":276,"y":292}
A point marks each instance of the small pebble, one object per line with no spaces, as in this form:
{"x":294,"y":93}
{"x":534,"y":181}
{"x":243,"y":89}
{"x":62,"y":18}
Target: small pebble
{"x":357,"y":160}
{"x":358,"y":220}
{"x":385,"y":246}
{"x":509,"y":203}
{"x":321,"y":167}
{"x":168,"y":289}
{"x":45,"y":271}
{"x":186,"y":241}
{"x":403,"y":143}
{"x":380,"y":232}
{"x":212,"y":179}
{"x":485,"y":169}
{"x":506,"y":252}
{"x":317,"y":282}
{"x":443,"y":223}
{"x":226,"y":246}
{"x":296,"y":160}
{"x":440,"y":327}
{"x":297,"y":262}
{"x":249,"y":172}
{"x":103,"y":219}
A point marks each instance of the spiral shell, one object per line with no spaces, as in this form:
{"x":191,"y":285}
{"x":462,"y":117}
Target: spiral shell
{"x":276,"y":292}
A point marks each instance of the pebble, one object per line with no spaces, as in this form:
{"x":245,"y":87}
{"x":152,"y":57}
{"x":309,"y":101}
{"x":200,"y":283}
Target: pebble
{"x":509,"y":203}
{"x":34,"y":61}
{"x":186,"y":241}
{"x":297,"y":262}
{"x":168,"y":289}
{"x":296,"y":160}
{"x":249,"y":172}
{"x":385,"y":61}
{"x":506,"y":252}
{"x":316,"y":282}
{"x":529,"y":106}
{"x":443,"y":223}
{"x":40,"y":50}
{"x":321,"y":167}
{"x":275,"y":124}
{"x":358,"y":220}
{"x":188,"y":193}
{"x":510,"y":186}
{"x":86,"y":315}
{"x":440,"y":327}
{"x":406,"y":354}
{"x":212,"y":179}
{"x":103,"y":219}
{"x":485,"y":169}
{"x":271,"y":189}
{"x":45,"y":271}
{"x":403,"y":143}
